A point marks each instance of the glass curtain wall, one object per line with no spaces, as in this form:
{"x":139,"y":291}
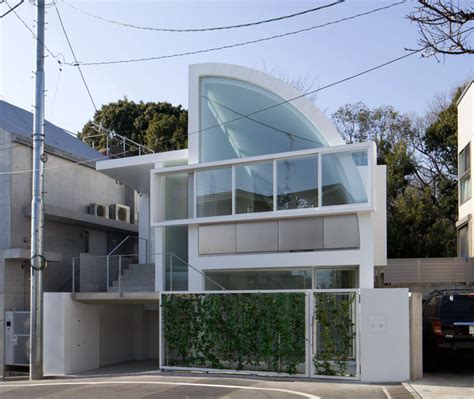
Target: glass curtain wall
{"x":228,"y":133}
{"x":176,"y":258}
{"x":254,"y":188}
{"x":176,"y":196}
{"x":297,"y":183}
{"x":344,"y":181}
{"x":282,"y":279}
{"x":345,"y":178}
{"x":214,"y":192}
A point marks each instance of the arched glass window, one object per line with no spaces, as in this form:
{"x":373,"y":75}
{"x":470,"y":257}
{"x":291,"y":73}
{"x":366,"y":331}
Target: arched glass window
{"x":227,"y":132}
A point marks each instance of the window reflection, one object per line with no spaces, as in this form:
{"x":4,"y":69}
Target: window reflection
{"x":345,"y":177}
{"x":254,"y":188}
{"x":297,"y":183}
{"x":214,"y":192}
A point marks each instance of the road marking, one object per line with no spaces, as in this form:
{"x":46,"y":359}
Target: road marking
{"x":303,"y":394}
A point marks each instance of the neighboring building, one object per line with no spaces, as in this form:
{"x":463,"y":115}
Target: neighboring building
{"x":69,"y":190}
{"x":466,"y":204}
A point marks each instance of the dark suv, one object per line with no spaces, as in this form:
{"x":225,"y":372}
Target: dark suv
{"x":448,"y":326}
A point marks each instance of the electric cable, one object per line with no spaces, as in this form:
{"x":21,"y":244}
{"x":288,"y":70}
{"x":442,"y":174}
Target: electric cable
{"x":356,"y":75}
{"x":36,"y":37}
{"x":187,"y":30}
{"x":75,"y":59}
{"x":229,"y":46}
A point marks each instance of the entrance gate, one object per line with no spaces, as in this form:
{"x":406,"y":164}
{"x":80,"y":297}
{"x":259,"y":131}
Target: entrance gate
{"x":305,"y":333}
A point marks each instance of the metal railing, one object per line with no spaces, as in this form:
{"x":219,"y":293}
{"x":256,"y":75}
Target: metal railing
{"x":99,"y":277}
{"x":120,"y":244}
{"x":116,"y":145}
{"x":175,"y":260}
{"x":98,"y":274}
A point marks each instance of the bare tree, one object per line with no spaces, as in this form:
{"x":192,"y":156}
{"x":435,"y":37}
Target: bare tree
{"x":301,"y":84}
{"x":444,"y":26}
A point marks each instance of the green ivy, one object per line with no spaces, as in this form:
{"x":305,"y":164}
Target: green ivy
{"x":250,"y":331}
{"x":335,"y":332}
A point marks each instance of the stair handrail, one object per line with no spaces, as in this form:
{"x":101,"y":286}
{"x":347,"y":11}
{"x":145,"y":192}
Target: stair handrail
{"x":119,"y":245}
{"x":192,"y":267}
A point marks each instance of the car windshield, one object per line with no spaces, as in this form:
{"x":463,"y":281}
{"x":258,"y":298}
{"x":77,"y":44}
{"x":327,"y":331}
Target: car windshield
{"x":458,"y":306}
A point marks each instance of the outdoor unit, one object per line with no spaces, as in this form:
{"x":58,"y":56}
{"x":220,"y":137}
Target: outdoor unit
{"x":120,"y":212}
{"x":17,"y":338}
{"x":99,"y":210}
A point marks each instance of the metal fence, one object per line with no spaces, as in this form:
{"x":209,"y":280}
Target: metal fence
{"x":429,"y":270}
{"x":326,"y":343}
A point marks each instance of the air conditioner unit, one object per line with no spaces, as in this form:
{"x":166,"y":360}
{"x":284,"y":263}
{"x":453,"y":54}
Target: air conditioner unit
{"x":99,"y":210}
{"x":120,"y":212}
{"x":17,"y":338}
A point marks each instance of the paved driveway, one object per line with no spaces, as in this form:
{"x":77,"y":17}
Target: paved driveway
{"x":186,"y":387}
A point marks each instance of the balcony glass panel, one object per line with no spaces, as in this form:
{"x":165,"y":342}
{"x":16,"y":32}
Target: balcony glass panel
{"x":176,"y":196}
{"x":214,"y":192}
{"x":345,"y":178}
{"x":297,"y":183}
{"x":254,"y":188}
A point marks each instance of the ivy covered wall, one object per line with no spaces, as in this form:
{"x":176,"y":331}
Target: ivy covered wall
{"x":235,"y":331}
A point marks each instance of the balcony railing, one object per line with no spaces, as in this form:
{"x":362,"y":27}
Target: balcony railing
{"x":323,"y":180}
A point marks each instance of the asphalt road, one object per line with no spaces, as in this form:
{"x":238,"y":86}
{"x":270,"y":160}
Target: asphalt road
{"x":157,"y":387}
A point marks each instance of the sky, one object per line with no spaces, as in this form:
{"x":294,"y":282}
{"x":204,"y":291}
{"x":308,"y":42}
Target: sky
{"x":318,"y":57}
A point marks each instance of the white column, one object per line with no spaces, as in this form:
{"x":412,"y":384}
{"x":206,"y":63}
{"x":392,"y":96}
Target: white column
{"x":144,"y":247}
{"x":195,"y":279}
{"x":366,"y":268}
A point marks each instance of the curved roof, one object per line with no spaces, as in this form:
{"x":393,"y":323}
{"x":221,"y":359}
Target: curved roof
{"x":268,"y":83}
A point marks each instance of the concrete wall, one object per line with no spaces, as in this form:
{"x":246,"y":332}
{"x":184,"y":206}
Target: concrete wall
{"x":67,"y":186}
{"x":384,"y":335}
{"x":80,"y":337}
{"x":5,"y":191}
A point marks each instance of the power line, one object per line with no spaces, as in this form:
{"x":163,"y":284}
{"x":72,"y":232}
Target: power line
{"x":11,"y":8}
{"x":228,"y":46}
{"x":289,"y":134}
{"x":364,"y":72}
{"x":243,"y":25}
{"x":34,"y":35}
{"x":75,"y":58}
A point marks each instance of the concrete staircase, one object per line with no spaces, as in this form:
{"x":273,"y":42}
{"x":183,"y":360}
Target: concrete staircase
{"x":139,"y":277}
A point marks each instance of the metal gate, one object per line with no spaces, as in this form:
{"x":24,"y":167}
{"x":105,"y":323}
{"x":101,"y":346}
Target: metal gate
{"x":330,"y":336}
{"x":333,"y":323}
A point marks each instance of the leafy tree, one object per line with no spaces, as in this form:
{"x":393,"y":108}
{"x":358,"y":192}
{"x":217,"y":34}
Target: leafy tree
{"x":421,"y":159}
{"x":159,"y":126}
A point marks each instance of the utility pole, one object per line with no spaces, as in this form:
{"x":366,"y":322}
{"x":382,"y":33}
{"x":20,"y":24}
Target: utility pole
{"x":38,"y":261}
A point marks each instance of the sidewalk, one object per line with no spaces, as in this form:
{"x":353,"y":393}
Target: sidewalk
{"x":459,"y":385}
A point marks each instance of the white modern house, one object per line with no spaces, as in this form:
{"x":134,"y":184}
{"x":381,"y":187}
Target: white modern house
{"x":268,"y":196}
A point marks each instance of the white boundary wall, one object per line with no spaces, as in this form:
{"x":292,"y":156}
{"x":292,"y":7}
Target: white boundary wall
{"x":384,"y":335}
{"x":80,"y":337}
{"x":113,"y":333}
